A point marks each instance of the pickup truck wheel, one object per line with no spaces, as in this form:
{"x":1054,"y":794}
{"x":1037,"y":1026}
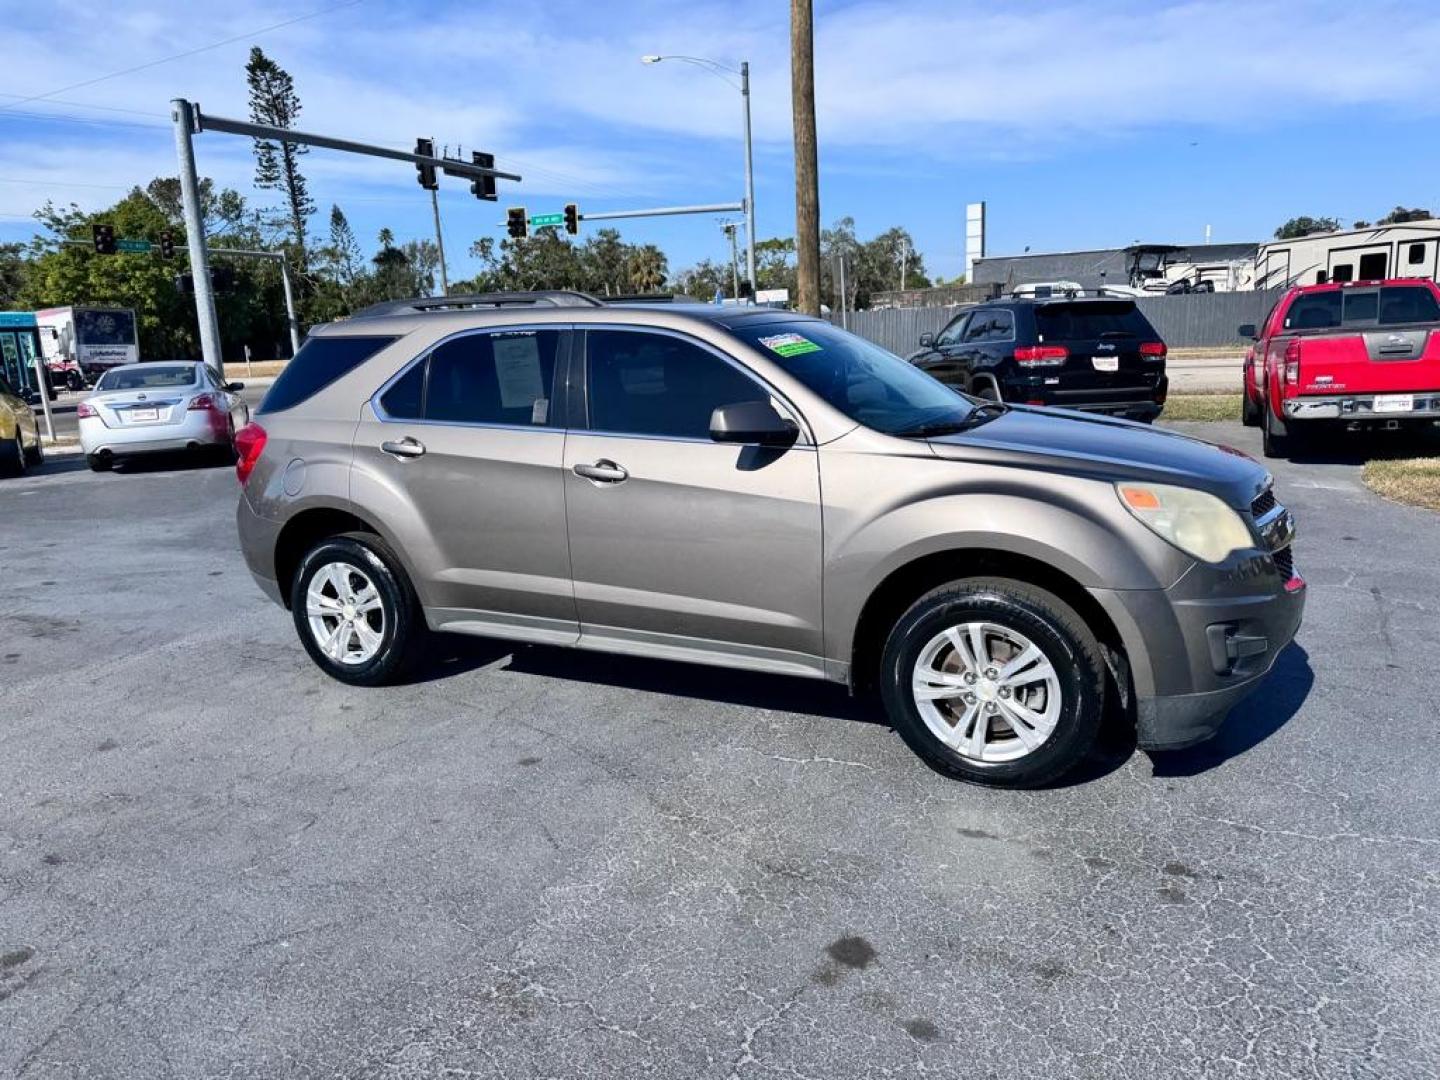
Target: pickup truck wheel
{"x":994,"y":681}
{"x":1272,"y":441}
{"x":1249,"y":411}
{"x":355,"y":610}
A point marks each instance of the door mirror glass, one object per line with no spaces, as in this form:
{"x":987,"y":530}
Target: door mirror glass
{"x":1247,"y":330}
{"x":752,"y":422}
{"x":233,"y":387}
{"x":927,"y":340}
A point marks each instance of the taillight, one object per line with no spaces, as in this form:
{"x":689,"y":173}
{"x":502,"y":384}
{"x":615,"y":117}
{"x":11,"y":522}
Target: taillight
{"x":1041,"y":355}
{"x":84,"y":410}
{"x":249,"y":445}
{"x":1153,"y":348}
{"x":1292,"y":361}
{"x":204,"y":401}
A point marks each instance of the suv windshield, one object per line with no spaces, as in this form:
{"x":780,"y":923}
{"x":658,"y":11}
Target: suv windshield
{"x":147,"y":378}
{"x":871,"y":386}
{"x":1090,"y":321}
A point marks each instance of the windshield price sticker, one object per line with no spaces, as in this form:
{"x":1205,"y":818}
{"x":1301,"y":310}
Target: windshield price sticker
{"x":789,"y":344}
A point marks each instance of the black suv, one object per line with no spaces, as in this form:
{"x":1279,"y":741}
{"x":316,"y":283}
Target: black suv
{"x":1099,"y":355}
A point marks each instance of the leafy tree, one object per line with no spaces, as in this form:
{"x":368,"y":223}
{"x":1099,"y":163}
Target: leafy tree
{"x":1360,"y":225}
{"x":1297,"y":227}
{"x":1400,"y":216}
{"x":222,"y":212}
{"x":707,"y":277}
{"x":13,"y":269}
{"x":273,"y":101}
{"x":646,"y":268}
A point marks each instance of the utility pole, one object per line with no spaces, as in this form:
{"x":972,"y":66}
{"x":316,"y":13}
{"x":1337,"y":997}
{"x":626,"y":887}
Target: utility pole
{"x":750,"y":236}
{"x":729,"y":228}
{"x":844,"y":295}
{"x":440,"y":242}
{"x":807,"y":165}
{"x":904,"y":257}
{"x":209,"y":324}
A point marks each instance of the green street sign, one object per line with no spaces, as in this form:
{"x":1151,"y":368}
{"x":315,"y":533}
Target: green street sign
{"x":539,"y":221}
{"x":135,"y":247}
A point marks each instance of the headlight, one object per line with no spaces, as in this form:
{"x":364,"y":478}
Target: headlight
{"x":1197,"y":523}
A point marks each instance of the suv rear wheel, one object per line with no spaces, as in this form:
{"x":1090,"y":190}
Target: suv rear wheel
{"x":356,"y":611}
{"x":994,"y":681}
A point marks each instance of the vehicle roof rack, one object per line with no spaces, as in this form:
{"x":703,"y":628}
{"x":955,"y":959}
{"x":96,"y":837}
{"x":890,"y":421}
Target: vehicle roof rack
{"x":639,"y":298}
{"x":538,"y":298}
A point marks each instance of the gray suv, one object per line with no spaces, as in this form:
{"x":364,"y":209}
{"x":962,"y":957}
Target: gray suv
{"x":763,"y":491}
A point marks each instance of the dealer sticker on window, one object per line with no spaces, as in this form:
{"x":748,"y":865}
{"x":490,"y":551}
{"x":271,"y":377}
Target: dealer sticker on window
{"x":789,"y":344}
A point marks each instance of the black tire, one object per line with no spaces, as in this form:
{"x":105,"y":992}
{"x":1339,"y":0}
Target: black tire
{"x":99,"y":462}
{"x":1249,"y":411}
{"x":1273,"y":442}
{"x":12,"y":457}
{"x":75,"y":381}
{"x":986,"y":391}
{"x":35,"y":455}
{"x":1039,"y":616}
{"x":403,"y":630}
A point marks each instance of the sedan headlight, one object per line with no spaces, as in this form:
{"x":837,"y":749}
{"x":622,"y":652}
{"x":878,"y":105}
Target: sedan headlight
{"x":1196,"y":522}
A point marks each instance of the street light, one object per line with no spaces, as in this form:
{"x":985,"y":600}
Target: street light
{"x":720,"y":71}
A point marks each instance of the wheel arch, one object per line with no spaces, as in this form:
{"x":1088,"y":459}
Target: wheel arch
{"x":303,"y":531}
{"x":907,"y":583}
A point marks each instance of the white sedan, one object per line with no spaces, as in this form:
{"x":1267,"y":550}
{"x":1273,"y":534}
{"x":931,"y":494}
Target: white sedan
{"x":159,"y":407}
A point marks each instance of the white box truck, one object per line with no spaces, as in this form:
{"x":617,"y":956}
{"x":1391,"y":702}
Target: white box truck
{"x":80,"y":343}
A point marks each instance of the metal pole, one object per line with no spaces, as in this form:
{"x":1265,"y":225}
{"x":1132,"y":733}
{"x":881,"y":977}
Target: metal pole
{"x":290,"y":306}
{"x":440,"y":243}
{"x":42,"y":383}
{"x":904,"y":256}
{"x":734,"y":261}
{"x":749,"y":180}
{"x":844,"y":320}
{"x":663,"y":211}
{"x":182,"y":113}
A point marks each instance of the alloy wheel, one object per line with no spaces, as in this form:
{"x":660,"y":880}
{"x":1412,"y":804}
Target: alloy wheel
{"x":346,"y":613}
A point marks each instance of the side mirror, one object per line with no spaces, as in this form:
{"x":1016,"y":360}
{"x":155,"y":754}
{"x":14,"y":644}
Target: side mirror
{"x":234,"y":386}
{"x":1247,"y":331}
{"x":927,"y":341}
{"x":753,"y":422}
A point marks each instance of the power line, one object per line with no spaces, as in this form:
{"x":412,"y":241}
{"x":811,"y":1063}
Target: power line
{"x":70,"y":119}
{"x":180,"y":55}
{"x":88,"y":105}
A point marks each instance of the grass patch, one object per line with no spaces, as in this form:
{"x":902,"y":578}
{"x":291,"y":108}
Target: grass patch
{"x":1408,"y":480}
{"x":1203,"y":407}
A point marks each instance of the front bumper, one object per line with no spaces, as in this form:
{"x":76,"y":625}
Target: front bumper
{"x":1426,"y":406}
{"x":1198,"y":648}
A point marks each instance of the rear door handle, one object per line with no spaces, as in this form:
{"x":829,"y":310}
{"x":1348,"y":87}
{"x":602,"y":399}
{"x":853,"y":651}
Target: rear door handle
{"x":603,"y":471}
{"x":405,"y":448}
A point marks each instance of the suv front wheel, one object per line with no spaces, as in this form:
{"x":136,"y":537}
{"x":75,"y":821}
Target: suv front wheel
{"x":994,"y":681}
{"x":355,"y":610}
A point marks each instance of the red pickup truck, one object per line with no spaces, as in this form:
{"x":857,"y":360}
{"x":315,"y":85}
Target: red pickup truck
{"x":1352,"y":354}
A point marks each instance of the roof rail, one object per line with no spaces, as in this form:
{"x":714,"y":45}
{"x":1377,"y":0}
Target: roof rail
{"x":538,"y":298}
{"x":638,"y":298}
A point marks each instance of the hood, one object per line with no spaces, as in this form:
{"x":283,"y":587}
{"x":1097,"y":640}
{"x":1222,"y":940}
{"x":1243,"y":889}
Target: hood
{"x":1103,"y":448}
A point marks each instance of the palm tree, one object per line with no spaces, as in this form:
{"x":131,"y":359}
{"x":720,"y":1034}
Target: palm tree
{"x":646,"y":268}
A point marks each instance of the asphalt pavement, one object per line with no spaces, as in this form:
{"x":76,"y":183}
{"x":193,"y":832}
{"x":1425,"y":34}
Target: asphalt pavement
{"x":214,"y":861}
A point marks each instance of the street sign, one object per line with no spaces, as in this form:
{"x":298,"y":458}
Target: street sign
{"x":135,"y":247}
{"x":539,"y":221}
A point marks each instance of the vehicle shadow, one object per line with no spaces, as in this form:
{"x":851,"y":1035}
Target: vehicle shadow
{"x":456,"y":654}
{"x":178,"y":461}
{"x":1250,"y":723}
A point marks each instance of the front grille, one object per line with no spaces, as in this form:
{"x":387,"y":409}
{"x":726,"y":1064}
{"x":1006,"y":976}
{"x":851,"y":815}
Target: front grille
{"x":1285,"y":562}
{"x":1263,"y":504}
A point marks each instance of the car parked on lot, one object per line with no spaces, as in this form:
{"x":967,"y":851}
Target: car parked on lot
{"x":157,"y":407}
{"x":763,"y":491}
{"x":20,"y":445}
{"x":1351,"y":355}
{"x":1096,"y":355}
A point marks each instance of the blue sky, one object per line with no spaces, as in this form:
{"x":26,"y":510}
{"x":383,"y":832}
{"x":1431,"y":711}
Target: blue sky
{"x":1082,"y":124}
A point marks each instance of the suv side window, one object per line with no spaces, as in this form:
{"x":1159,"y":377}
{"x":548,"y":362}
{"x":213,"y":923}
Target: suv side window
{"x":653,"y":384}
{"x":502,"y":377}
{"x":994,"y":325}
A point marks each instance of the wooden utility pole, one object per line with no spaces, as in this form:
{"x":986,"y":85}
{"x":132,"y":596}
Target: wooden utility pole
{"x":807,"y":165}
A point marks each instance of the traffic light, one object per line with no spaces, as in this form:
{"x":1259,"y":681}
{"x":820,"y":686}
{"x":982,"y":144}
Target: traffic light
{"x":167,"y":244}
{"x":104,"y":237}
{"x":426,"y":148}
{"x":572,"y":218}
{"x":516,"y":223}
{"x":483,"y":187}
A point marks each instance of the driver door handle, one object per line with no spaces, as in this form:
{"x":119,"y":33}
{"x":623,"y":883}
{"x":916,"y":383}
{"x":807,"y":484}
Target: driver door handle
{"x":406,"y":448}
{"x":603,"y":471}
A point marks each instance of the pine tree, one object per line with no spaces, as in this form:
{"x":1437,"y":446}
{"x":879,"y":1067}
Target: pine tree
{"x":273,"y":101}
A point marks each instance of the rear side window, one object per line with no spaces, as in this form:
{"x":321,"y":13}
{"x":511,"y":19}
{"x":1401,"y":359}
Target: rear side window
{"x":995,"y":325}
{"x":1089,"y":322}
{"x":320,"y":361}
{"x":501,"y":378}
